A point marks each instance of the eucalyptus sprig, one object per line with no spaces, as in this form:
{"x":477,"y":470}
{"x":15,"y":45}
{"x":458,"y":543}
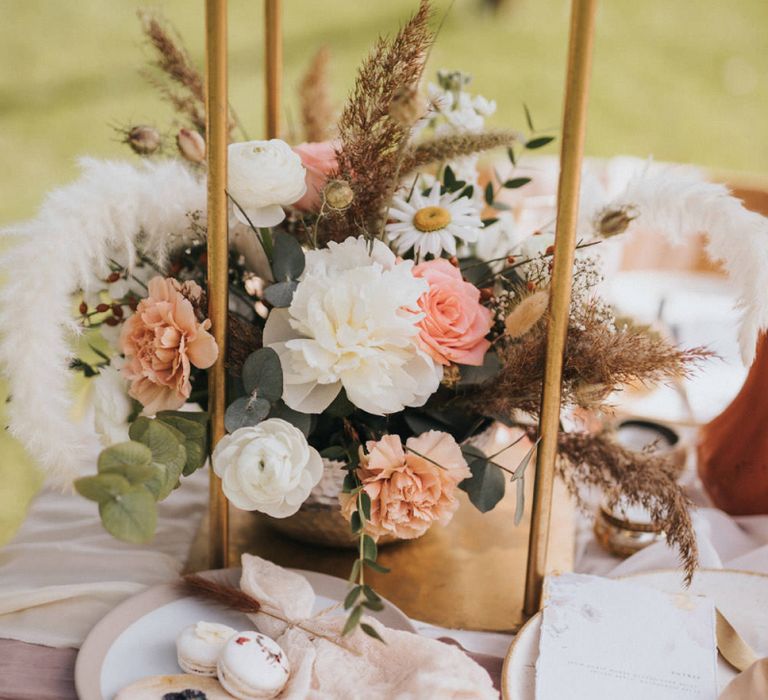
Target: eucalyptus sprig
{"x":361,"y":596}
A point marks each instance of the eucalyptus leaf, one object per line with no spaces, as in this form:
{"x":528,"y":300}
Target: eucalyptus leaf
{"x":472,"y":376}
{"x":475,"y":270}
{"x":355,"y":570}
{"x":245,"y":412}
{"x":365,"y":505}
{"x":102,"y":487}
{"x":539,"y":142}
{"x":352,"y":620}
{"x":355,"y":522}
{"x":488,"y":195}
{"x":341,"y":406}
{"x":376,"y":566}
{"x":485,"y":487}
{"x":302,"y":421}
{"x":375,"y":605}
{"x":528,"y":119}
{"x":168,"y":453}
{"x":288,"y":257}
{"x":130,"y":516}
{"x":370,"y":551}
{"x":131,"y":459}
{"x":280,"y":294}
{"x":351,"y":597}
{"x":195,"y":439}
{"x":516,"y":182}
{"x":263,"y":375}
{"x":371,"y":631}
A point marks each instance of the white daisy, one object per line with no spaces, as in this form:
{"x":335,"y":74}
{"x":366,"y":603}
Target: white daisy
{"x":432,"y":223}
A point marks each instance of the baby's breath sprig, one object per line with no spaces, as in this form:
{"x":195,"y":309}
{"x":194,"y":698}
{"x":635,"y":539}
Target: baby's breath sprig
{"x":361,"y":596}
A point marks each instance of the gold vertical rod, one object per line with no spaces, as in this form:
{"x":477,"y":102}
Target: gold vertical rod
{"x":273,"y":60}
{"x":571,"y":154}
{"x":217,"y":116}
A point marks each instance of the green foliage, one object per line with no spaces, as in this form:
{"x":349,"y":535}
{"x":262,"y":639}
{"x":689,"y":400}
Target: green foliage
{"x":288,"y":258}
{"x":280,"y":294}
{"x":169,"y":455}
{"x":193,"y":427}
{"x":132,"y":476}
{"x":130,"y":516}
{"x":485,"y":487}
{"x":263,"y":375}
{"x":246,"y":412}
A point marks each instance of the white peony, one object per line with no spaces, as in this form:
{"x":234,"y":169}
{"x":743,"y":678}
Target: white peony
{"x":268,"y":467}
{"x":352,"y":324}
{"x":264,"y":176}
{"x":111,"y":406}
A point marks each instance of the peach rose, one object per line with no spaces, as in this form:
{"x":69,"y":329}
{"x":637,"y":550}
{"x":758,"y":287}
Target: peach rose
{"x":409,"y":491}
{"x":455,"y":324}
{"x":160,"y":343}
{"x":319,"y":160}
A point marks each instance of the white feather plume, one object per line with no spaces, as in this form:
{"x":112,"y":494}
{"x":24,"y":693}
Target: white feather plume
{"x":678,"y":202}
{"x":113,"y":210}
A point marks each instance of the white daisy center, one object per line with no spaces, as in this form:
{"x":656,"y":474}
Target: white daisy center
{"x":430,"y":219}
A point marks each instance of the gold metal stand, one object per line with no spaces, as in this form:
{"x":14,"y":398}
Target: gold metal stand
{"x":217,"y":116}
{"x":273,"y":42}
{"x":574,"y":126}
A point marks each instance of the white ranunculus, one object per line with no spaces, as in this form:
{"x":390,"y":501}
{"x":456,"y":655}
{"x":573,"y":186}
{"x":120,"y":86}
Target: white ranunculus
{"x":263,"y":177}
{"x":268,"y":467}
{"x":111,"y":406}
{"x":352,"y":324}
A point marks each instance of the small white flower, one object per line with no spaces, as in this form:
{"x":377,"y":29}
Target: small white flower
{"x":268,"y":467}
{"x":537,"y":244}
{"x":111,"y":406}
{"x":432,"y":223}
{"x":263,"y":177}
{"x":499,"y":238}
{"x":352,"y":325}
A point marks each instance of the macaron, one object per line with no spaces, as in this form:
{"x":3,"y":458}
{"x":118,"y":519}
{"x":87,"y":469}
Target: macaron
{"x":198,"y":647}
{"x":253,"y":667}
{"x":178,"y":687}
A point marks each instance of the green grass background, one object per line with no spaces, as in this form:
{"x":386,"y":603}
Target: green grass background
{"x":684,"y":80}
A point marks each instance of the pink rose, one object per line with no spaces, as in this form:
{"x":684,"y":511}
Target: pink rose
{"x":456,"y":323}
{"x":160,"y":343}
{"x":319,"y":159}
{"x":408,"y":492}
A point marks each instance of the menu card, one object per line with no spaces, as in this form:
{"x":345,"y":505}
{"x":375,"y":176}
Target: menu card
{"x":602,"y":638}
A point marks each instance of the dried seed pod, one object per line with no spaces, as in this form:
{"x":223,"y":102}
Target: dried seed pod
{"x":338,"y":194}
{"x":144,"y":140}
{"x":191,"y":145}
{"x":612,"y":222}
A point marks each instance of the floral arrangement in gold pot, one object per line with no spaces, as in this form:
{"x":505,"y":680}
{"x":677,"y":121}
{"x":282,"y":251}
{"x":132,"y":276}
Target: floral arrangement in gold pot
{"x":387,"y":306}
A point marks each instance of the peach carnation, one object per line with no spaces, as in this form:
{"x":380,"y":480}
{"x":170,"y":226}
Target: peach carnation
{"x":455,"y":322}
{"x":408,"y":490}
{"x":161,"y":341}
{"x":319,"y":160}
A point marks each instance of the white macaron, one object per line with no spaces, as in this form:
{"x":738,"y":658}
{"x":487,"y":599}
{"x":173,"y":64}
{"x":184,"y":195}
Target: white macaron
{"x":253,"y":667}
{"x":198,"y":647}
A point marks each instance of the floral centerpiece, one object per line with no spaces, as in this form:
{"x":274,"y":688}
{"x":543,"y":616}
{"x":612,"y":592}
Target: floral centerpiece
{"x":387,"y":306}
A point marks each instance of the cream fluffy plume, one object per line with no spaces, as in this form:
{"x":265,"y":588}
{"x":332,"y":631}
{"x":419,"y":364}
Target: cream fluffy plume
{"x":677,"y":202}
{"x":113,"y":210}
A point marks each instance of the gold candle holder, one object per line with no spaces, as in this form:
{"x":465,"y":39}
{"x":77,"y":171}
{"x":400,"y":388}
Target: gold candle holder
{"x":571,"y":154}
{"x":217,"y":127}
{"x":273,"y":43}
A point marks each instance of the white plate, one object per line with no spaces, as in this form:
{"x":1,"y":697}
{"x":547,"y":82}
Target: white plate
{"x":138,"y":637}
{"x":741,"y":596}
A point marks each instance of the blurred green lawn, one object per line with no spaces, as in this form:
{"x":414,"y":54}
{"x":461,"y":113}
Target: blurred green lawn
{"x":685,"y":80}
